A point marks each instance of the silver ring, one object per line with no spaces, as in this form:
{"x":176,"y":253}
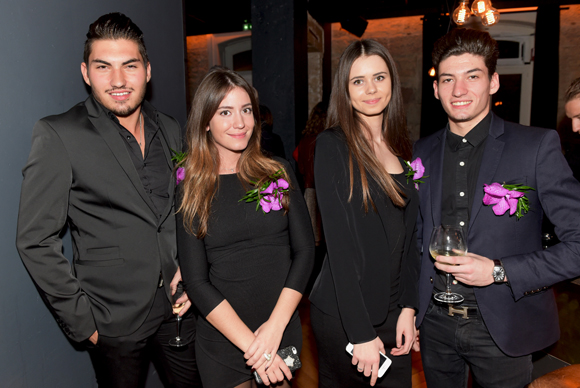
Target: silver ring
{"x":268,"y":356}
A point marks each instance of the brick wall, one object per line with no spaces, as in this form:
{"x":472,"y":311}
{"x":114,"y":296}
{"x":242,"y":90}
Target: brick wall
{"x":197,"y":63}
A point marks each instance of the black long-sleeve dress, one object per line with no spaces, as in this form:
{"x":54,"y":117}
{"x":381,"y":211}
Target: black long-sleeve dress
{"x":371,"y":269}
{"x":247,"y":258}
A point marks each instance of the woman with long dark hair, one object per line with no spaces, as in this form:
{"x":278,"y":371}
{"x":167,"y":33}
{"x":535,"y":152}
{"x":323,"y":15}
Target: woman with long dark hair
{"x":244,"y":264}
{"x":366,"y":293}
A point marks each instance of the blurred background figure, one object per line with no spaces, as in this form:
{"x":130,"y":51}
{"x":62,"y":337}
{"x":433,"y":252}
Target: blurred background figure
{"x":304,"y":157}
{"x":572,"y":108}
{"x":271,"y":143}
{"x":573,"y":104}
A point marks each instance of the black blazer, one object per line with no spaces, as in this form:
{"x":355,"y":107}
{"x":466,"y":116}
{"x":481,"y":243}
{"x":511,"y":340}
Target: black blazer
{"x":354,"y":283}
{"x":80,"y":173}
{"x":521,"y":317}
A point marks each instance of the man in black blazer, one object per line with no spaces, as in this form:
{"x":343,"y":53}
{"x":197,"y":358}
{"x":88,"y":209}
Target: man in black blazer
{"x":509,"y":309}
{"x":104,"y":170}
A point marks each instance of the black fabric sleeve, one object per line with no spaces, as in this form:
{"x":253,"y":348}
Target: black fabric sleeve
{"x":301,"y":237}
{"x":195,"y":268}
{"x":339,"y":217}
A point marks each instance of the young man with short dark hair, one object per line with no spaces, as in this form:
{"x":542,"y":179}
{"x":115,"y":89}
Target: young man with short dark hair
{"x":509,"y":309}
{"x":104,"y":170}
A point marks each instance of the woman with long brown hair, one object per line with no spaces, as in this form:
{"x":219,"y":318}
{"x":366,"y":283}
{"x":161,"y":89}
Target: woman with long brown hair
{"x":366,"y":293}
{"x":244,"y":264}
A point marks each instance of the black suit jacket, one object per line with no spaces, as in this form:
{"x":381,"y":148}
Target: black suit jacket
{"x":354,"y":283}
{"x":79,"y":173}
{"x":521,"y":317}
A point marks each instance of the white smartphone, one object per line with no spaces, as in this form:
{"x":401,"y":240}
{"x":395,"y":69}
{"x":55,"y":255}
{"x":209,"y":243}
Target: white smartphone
{"x":384,"y":364}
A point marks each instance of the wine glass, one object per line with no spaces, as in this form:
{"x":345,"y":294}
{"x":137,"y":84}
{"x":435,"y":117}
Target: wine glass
{"x":177,"y":341}
{"x":447,"y":240}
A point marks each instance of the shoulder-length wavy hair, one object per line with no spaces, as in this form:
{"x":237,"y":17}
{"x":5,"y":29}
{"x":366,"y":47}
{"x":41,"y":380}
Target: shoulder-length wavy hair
{"x":202,"y":162}
{"x":342,"y":114}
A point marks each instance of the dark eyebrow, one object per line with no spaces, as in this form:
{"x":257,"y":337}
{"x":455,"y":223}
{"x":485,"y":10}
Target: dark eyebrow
{"x":132,"y":60}
{"x":101,"y":61}
{"x":374,"y":75}
{"x":231,"y":107}
{"x":467,"y":72}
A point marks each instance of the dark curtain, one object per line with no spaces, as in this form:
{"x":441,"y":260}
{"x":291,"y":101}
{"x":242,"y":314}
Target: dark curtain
{"x":546,"y":67}
{"x":433,"y":117}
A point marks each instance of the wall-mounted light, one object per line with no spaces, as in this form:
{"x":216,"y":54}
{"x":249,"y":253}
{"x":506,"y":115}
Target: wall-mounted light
{"x":461,"y":13}
{"x":432,"y":72}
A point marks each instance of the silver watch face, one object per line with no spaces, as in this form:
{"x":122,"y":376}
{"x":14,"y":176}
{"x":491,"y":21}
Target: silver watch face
{"x":498,"y":274}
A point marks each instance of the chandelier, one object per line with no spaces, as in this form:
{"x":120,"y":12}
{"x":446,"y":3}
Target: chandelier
{"x":481,"y":8}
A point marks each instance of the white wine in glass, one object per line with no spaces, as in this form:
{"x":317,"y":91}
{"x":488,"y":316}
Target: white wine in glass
{"x":177,"y":307}
{"x":447,"y":241}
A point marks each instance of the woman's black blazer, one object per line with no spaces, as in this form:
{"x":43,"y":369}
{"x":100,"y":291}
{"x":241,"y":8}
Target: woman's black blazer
{"x":354,"y":283}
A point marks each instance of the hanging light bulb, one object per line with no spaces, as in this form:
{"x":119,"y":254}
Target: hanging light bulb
{"x":480,"y":7}
{"x":490,"y":18}
{"x":461,"y":13}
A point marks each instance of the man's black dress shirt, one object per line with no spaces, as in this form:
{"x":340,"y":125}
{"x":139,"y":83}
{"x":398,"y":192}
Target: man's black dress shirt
{"x":461,"y":162}
{"x":152,"y":168}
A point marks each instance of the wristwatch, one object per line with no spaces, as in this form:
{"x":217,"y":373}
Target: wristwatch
{"x":498,"y":272}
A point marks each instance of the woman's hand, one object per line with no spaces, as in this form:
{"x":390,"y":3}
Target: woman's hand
{"x":366,"y":357}
{"x":406,"y":332}
{"x":267,"y":341}
{"x":276,"y":372}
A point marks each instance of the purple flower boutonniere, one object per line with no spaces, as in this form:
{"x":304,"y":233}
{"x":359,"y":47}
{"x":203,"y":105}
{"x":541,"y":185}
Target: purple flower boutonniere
{"x":506,"y":197}
{"x":178,"y":158}
{"x":416,"y":171}
{"x":269,"y":195}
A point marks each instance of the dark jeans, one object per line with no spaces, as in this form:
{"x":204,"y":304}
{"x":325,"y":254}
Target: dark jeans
{"x":124,"y":361}
{"x":451,"y":346}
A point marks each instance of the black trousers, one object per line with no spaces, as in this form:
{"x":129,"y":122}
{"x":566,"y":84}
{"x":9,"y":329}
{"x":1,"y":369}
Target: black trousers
{"x":335,"y":369}
{"x":452,"y":345}
{"x":124,"y":361}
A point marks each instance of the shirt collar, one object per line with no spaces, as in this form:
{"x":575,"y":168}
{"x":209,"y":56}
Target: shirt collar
{"x":474,"y":137}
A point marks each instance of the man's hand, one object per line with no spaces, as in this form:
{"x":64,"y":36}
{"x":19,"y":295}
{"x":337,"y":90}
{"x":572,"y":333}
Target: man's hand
{"x":184,"y":298}
{"x":470,"y":269}
{"x":94,"y":338}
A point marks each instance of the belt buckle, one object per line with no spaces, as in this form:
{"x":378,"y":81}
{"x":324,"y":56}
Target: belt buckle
{"x":462,"y":310}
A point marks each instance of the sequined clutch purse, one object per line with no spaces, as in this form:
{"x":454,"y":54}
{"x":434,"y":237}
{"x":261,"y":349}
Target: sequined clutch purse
{"x":290,"y":357}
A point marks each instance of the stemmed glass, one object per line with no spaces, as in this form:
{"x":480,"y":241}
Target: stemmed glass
{"x":447,"y":241}
{"x":177,"y":341}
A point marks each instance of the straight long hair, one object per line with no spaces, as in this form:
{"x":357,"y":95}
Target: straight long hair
{"x":202,"y":162}
{"x":394,"y":129}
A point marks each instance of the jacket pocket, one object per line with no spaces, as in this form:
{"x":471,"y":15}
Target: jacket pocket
{"x":101,"y":257}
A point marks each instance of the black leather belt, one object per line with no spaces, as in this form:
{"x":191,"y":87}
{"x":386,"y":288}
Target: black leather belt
{"x":464,"y":312}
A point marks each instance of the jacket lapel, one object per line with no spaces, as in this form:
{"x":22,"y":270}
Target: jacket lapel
{"x":167,"y":146}
{"x":106,"y":128}
{"x":489,"y":164}
{"x":436,"y":176}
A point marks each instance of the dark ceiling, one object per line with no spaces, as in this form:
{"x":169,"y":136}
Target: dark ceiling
{"x":212,"y":17}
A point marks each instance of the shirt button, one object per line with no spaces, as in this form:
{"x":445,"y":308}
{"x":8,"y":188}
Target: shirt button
{"x":128,"y":137}
{"x":461,"y":194}
{"x":461,"y":223}
{"x":150,"y":191}
{"x":463,"y":140}
{"x":462,"y":164}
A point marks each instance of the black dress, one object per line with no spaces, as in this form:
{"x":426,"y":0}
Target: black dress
{"x":247,"y":258}
{"x":371,"y":269}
